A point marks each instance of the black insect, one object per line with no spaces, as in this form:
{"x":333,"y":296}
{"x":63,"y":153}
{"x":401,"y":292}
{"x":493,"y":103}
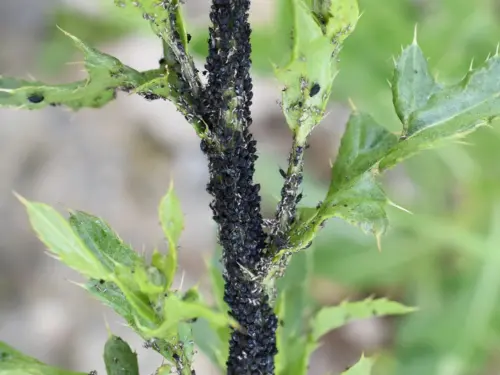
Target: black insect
{"x":162,"y":61}
{"x":189,"y":37}
{"x":314,"y":90}
{"x":282,"y":173}
{"x":36,"y":98}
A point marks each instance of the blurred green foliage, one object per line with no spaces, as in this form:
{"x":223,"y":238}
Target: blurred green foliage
{"x":444,"y":258}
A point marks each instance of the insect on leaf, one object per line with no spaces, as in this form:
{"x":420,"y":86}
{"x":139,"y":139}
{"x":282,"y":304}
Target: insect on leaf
{"x":106,"y":75}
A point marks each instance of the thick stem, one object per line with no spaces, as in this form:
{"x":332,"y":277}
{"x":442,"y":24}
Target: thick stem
{"x":231,"y":151}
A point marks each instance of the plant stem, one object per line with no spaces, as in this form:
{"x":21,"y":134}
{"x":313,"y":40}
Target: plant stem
{"x":231,"y":152}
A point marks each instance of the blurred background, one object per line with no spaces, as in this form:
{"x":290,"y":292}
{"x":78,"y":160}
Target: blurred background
{"x":117,"y":162}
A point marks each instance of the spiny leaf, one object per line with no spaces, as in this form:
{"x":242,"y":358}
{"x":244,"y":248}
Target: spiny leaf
{"x":309,"y":75}
{"x":62,"y":241}
{"x":119,"y":358}
{"x":363,"y":367}
{"x":450,"y":113}
{"x":330,"y":318}
{"x":412,"y":84}
{"x":106,"y":74}
{"x":13,"y":362}
{"x":172,"y":222}
{"x":354,"y":194}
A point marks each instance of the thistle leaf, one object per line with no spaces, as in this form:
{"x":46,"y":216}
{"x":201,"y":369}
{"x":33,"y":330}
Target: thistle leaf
{"x":363,"y":367}
{"x":13,"y":362}
{"x":354,"y":194}
{"x":309,"y":75}
{"x":450,"y":113}
{"x":412,"y":84}
{"x":330,"y":318}
{"x":63,"y":242}
{"x":106,"y":75}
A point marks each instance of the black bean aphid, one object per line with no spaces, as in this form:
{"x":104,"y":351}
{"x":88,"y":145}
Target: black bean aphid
{"x":189,"y":37}
{"x":162,"y":61}
{"x":36,"y":98}
{"x":282,"y":173}
{"x":314,"y":90}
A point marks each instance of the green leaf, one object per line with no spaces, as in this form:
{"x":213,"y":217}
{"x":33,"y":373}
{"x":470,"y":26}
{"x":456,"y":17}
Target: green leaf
{"x":294,"y":346}
{"x":450,"y":113}
{"x":412,"y":84}
{"x":330,"y":318}
{"x":109,"y":294}
{"x":309,"y":75}
{"x":363,"y":367}
{"x":175,"y":310}
{"x":209,"y":342}
{"x":106,"y":75}
{"x":354,"y":194}
{"x":172,"y":222}
{"x":62,"y":241}
{"x":13,"y":362}
{"x":119,"y":358}
{"x":100,"y":238}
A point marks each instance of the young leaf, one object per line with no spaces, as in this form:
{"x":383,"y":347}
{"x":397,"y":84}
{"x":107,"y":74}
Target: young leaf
{"x":119,"y":358}
{"x":106,"y":74}
{"x":13,"y":362}
{"x":172,"y":222}
{"x":363,"y":367}
{"x":176,"y":310}
{"x":309,"y":75}
{"x":102,"y":240}
{"x":62,"y":241}
{"x":450,"y":113}
{"x":330,"y":318}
